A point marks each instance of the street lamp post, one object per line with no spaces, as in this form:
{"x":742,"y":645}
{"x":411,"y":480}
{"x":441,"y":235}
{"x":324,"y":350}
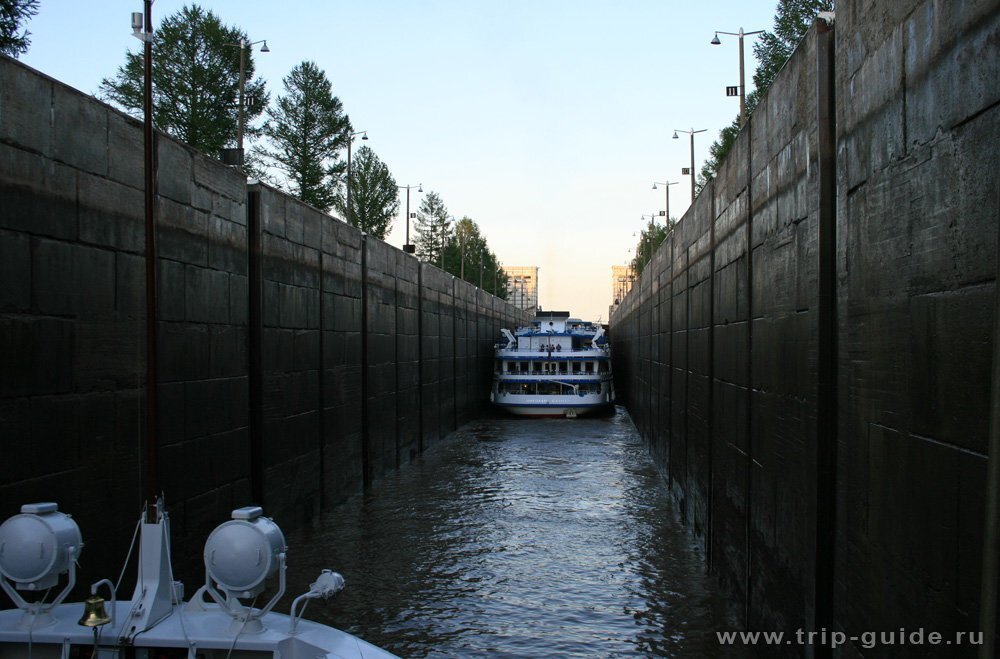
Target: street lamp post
{"x":443,"y":234}
{"x":691,"y":133}
{"x":407,"y":247}
{"x":350,"y":141}
{"x":142,"y":29}
{"x":743,"y":99}
{"x":666,"y":189}
{"x":243,"y":46}
{"x":461,"y":245}
{"x":482,"y":263}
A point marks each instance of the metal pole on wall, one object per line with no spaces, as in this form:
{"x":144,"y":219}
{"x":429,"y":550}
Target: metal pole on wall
{"x":666,"y":190}
{"x":242,"y":119}
{"x":407,"y":247}
{"x":991,"y":522}
{"x":691,"y":133}
{"x":743,"y":92}
{"x":692,"y":166}
{"x":152,"y":445}
{"x":350,"y":140}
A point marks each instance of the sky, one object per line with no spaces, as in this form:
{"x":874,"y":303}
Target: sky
{"x":545,"y":121}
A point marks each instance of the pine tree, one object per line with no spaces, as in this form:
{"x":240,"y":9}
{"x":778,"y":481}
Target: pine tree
{"x":306,"y":130}
{"x":792,"y":19}
{"x":196,"y":77}
{"x":433,"y":228}
{"x":12,"y":14}
{"x":374,"y":195}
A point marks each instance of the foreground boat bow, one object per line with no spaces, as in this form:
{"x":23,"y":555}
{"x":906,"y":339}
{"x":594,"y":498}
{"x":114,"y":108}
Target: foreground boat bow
{"x":41,"y":544}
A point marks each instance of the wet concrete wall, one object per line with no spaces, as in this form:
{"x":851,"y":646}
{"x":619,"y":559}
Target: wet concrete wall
{"x":299,"y":360}
{"x":819,"y":400}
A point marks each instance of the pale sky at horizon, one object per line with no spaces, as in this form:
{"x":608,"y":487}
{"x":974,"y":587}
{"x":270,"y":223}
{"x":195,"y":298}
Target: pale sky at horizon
{"x":546,"y":122}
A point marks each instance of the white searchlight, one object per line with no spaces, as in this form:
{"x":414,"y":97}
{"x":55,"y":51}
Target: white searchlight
{"x":239,"y":557}
{"x":36,"y":547}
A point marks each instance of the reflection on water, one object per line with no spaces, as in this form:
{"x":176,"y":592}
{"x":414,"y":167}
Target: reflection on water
{"x":518,"y":538}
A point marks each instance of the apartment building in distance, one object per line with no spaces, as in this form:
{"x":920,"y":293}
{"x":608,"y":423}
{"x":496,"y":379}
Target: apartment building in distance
{"x":621,"y":283}
{"x":522,"y":286}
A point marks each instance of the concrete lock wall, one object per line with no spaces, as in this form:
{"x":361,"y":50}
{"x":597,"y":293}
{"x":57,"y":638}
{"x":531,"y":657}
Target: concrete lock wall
{"x":819,"y":402}
{"x":299,"y":360}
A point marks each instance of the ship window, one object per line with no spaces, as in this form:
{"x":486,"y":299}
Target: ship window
{"x":549,"y":388}
{"x":522,"y":367}
{"x":562,"y":367}
{"x":604,"y":367}
{"x":588,"y":367}
{"x":536,"y":367}
{"x":576,"y":367}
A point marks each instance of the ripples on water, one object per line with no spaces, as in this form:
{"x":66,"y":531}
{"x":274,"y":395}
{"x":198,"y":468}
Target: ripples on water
{"x":518,"y":538}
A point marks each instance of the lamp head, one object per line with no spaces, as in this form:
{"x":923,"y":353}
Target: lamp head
{"x":264,"y":48}
{"x":420,"y":188}
{"x":654,"y":186}
{"x":364,"y":136}
{"x":715,"y":40}
{"x":241,"y":553}
{"x":137,"y":19}
{"x":675,"y":134}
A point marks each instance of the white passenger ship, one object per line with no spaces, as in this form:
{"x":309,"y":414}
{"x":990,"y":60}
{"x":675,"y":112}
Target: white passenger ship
{"x":557,"y":367}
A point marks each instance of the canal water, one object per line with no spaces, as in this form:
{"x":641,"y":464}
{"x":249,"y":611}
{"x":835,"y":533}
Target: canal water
{"x":519,"y":538}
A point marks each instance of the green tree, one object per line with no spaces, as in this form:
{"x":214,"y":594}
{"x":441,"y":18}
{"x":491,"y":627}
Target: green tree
{"x":12,"y":14}
{"x":306,"y":129}
{"x":432,"y":228}
{"x":792,"y":20}
{"x":196,"y":76}
{"x":374,"y":196}
{"x":468,"y":256}
{"x":649,"y":241}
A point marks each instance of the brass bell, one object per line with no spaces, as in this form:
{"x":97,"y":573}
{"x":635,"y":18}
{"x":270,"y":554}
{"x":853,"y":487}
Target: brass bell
{"x":94,"y":614}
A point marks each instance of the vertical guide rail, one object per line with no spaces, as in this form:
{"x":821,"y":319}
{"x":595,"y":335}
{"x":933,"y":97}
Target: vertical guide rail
{"x":255,"y":346}
{"x":748,"y":424}
{"x":365,"y":425}
{"x":420,"y":355}
{"x":321,"y":358}
{"x":152,"y":443}
{"x":826,"y":389}
{"x":670,"y":363}
{"x":991,"y":525}
{"x":710,"y":521}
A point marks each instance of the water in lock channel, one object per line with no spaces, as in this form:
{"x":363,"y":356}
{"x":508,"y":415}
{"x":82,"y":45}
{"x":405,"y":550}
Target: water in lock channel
{"x":519,"y":538}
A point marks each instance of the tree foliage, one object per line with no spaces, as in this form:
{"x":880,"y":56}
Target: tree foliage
{"x":13,"y":13}
{"x":306,"y":130}
{"x":792,"y":19}
{"x":374,"y":195}
{"x":468,"y":256}
{"x":772,"y":49}
{"x":649,"y":240}
{"x":196,"y":76}
{"x":432,"y":228}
